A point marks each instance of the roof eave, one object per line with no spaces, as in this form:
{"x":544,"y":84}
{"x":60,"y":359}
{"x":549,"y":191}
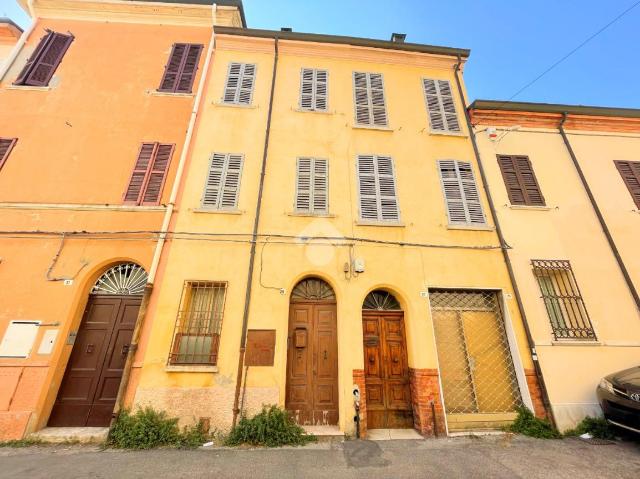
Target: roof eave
{"x":557,"y":108}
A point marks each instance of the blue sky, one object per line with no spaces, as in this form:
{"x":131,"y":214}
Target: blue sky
{"x":511,"y":41}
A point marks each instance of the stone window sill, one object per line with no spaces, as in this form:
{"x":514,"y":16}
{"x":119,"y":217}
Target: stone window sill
{"x":322,"y":112}
{"x":28,"y":87}
{"x":471,"y":227}
{"x":166,"y":93}
{"x":529,"y":207}
{"x":572,"y":342}
{"x":190,"y":368}
{"x":380,"y":223}
{"x":222,"y":212}
{"x":372,"y":127}
{"x":458,"y":134}
{"x":234,"y":105}
{"x":310,"y":215}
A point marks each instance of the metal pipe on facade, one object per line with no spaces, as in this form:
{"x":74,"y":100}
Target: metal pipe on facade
{"x":137,"y":329}
{"x":254,"y":240}
{"x":596,"y":209}
{"x":504,"y":248}
{"x":20,"y":43}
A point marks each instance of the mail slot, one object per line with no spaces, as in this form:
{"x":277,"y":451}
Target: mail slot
{"x":300,"y":338}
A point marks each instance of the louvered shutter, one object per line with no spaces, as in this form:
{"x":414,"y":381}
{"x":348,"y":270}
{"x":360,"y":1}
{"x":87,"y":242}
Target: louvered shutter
{"x":460,"y":193}
{"x":149,"y":174}
{"x":630,"y":172}
{"x":6,"y":145}
{"x":180,"y":70}
{"x":239,"y":84}
{"x":157,"y":174}
{"x":370,"y":103}
{"x":223,"y":182}
{"x":520,"y":180}
{"x":377,"y":189}
{"x":45,"y":60}
{"x":312,"y":184}
{"x":313,"y":89}
{"x":440,"y":105}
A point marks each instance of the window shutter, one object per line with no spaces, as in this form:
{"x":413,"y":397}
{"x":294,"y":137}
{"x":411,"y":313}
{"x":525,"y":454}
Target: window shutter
{"x":239,"y":85}
{"x":377,"y":189}
{"x":440,"y":105}
{"x":312,"y":181}
{"x":313,"y":89}
{"x":630,"y":172}
{"x":6,"y":145}
{"x":149,"y":174}
{"x":223,"y":182}
{"x":460,"y":192}
{"x":520,"y":180}
{"x":45,"y":60}
{"x":370,"y":103}
{"x":180,"y":70}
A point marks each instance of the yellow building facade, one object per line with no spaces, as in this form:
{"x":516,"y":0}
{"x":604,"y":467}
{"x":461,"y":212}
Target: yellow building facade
{"x":313,"y":216}
{"x":573,"y":237}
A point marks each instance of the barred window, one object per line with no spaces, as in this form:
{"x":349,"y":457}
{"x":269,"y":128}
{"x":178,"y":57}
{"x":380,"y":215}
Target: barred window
{"x":563,"y":301}
{"x":197,"y":332}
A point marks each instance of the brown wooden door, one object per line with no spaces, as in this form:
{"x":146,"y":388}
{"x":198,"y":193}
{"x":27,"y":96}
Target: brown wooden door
{"x":388,"y":390}
{"x":312,"y":364}
{"x":90,"y":384}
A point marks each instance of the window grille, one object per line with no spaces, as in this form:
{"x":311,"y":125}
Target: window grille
{"x":197,"y":331}
{"x":563,"y":301}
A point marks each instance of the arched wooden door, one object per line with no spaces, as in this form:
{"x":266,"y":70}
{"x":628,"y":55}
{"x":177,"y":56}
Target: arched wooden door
{"x":388,"y":390}
{"x":312,"y":354}
{"x":88,"y":391}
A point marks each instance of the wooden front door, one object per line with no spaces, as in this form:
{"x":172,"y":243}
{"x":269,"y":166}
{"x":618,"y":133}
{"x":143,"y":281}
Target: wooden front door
{"x":312,"y":363}
{"x":388,"y":391}
{"x":88,"y":391}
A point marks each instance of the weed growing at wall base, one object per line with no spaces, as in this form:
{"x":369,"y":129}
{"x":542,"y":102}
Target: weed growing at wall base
{"x":598,"y":427}
{"x":272,"y":427}
{"x":529,"y":425}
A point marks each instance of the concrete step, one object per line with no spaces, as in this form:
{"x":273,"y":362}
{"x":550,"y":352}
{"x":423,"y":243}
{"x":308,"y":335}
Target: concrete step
{"x":392,"y":434}
{"x":325,"y":433}
{"x":61,"y":435}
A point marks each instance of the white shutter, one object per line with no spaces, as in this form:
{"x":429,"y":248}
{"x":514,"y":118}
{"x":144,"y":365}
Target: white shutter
{"x":371,"y":108}
{"x":313,"y":89}
{"x":223,"y":182}
{"x":440,"y":105}
{"x":312,"y":185}
{"x":240,"y":82}
{"x":460,"y":193}
{"x":377,"y":189}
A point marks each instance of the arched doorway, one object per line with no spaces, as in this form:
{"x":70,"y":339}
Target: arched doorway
{"x":388,"y":390}
{"x":312,"y":354}
{"x":88,"y":391}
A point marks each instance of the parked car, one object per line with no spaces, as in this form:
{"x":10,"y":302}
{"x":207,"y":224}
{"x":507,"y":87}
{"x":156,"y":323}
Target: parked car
{"x":619,"y":396}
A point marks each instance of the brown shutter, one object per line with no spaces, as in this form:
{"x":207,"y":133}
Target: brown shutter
{"x":6,"y":144}
{"x":149,"y":174}
{"x":180,"y":70}
{"x":630,"y":172}
{"x":520,"y":181}
{"x":45,"y":60}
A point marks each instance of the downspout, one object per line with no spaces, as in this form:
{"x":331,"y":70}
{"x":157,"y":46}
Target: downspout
{"x":21,"y":41}
{"x":254,"y":240}
{"x":137,"y":330}
{"x":596,"y":209}
{"x":505,"y":252}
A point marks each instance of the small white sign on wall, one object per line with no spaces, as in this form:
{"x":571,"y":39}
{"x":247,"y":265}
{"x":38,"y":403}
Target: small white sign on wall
{"x":18,"y":339}
{"x":48,"y":341}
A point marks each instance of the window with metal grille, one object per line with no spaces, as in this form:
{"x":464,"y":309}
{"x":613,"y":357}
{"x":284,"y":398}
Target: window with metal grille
{"x":313,"y":89}
{"x":520,"y":180}
{"x":460,"y":193}
{"x":562,"y":299}
{"x":180,"y":70}
{"x":223,"y":182}
{"x":440,"y":105}
{"x":377,"y":189}
{"x":197,"y":331}
{"x":6,"y":145}
{"x":630,"y":172}
{"x":312,"y":185}
{"x":45,"y":59}
{"x":149,"y":174}
{"x":238,"y":89}
{"x":371,"y":108}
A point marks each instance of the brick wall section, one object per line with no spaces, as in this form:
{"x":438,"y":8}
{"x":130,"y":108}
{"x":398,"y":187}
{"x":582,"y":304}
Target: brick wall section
{"x":536,"y":393}
{"x":425,"y":390}
{"x":358,"y":378}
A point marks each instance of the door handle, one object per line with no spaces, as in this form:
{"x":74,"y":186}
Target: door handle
{"x":395,"y":360}
{"x":125,"y":349}
{"x":372,"y":359}
{"x":90,"y":348}
{"x":325,"y":354}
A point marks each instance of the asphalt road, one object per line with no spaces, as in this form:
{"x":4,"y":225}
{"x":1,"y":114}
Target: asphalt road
{"x":495,"y":456}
